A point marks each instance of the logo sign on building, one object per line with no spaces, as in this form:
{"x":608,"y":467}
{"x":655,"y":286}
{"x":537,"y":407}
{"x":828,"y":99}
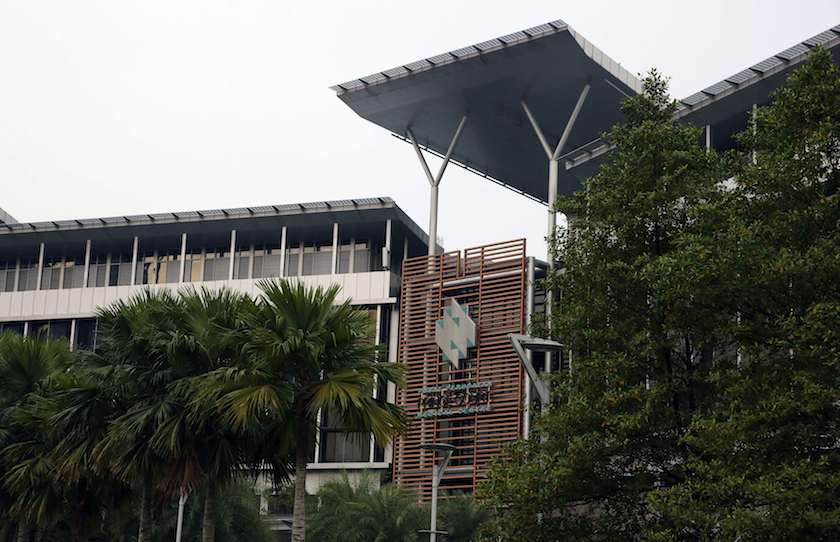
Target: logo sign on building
{"x":454,"y":399}
{"x":455,"y":333}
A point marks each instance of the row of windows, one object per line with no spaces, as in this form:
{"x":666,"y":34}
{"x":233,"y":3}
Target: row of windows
{"x":161,"y":267}
{"x":84,"y":335}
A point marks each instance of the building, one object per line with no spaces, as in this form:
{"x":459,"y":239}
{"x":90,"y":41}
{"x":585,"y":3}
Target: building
{"x":54,"y":275}
{"x":525,"y":111}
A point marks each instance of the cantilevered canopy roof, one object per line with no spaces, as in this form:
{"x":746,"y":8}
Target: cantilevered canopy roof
{"x":546,"y":66}
{"x":724,"y":106}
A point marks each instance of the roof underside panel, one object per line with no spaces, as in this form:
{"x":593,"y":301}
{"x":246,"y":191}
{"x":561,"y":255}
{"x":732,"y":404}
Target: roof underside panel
{"x":547,"y":66}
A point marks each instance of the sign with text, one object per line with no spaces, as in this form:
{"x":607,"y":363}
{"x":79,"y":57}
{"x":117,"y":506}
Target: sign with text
{"x":454,"y":399}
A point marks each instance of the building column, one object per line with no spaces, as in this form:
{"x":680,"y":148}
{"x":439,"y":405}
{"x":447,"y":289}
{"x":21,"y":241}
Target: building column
{"x":283,"y":251}
{"x":300,"y":259}
{"x":334,"y":249}
{"x":232,"y":253}
{"x":73,"y":334}
{"x":386,"y":251}
{"x":183,"y":258}
{"x":17,"y":275}
{"x":434,"y":180}
{"x":251,"y":262}
{"x":40,"y":267}
{"x":86,"y":274}
{"x":133,"y":273}
{"x":351,"y":265}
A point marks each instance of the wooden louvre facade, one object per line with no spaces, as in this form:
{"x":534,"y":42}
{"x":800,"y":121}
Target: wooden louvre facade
{"x":490,"y":282}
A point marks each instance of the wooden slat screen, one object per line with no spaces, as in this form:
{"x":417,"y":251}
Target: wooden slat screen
{"x":490,"y":280}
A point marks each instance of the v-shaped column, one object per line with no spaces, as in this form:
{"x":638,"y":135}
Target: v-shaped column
{"x":553,"y":155}
{"x":434,"y":180}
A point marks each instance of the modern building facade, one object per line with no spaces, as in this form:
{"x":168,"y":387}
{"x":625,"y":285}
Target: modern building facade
{"x":526,"y":111}
{"x":54,"y":276}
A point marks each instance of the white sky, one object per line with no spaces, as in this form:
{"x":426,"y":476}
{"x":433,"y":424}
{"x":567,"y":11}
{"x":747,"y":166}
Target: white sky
{"x":110,"y":108}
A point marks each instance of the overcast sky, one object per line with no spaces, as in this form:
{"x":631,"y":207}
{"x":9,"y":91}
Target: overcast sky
{"x":112,"y":107}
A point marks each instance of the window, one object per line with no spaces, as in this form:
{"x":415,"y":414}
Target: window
{"x":267,"y":262}
{"x":74,"y":273}
{"x":241,"y":263}
{"x":121,"y":271}
{"x":28,"y":276}
{"x":194,"y":267}
{"x":293,"y":262}
{"x":7,"y":276}
{"x":86,"y":333}
{"x":338,"y":445}
{"x":216,"y":265}
{"x":317,"y":260}
{"x":97,"y":271}
{"x":11,"y":327}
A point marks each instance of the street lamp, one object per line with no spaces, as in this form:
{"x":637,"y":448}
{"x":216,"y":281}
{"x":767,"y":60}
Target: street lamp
{"x":445,"y":451}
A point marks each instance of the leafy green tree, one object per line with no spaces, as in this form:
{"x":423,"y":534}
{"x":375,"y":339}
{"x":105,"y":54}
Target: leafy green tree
{"x":463,"y":518}
{"x":765,"y":459}
{"x":700,"y":316}
{"x":308,"y":353}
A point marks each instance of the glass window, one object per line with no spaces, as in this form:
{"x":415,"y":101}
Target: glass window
{"x":51,"y":274}
{"x":194,"y":268}
{"x":28,"y":275}
{"x":361,"y":258}
{"x":11,"y":327}
{"x":97,"y":270}
{"x":74,"y":274}
{"x":86,"y":333}
{"x":7,"y":276}
{"x":121,"y":271}
{"x":344,"y":252}
{"x":216,"y":265}
{"x":242,"y":262}
{"x":267,"y":261}
{"x":338,"y":445}
{"x":317,"y":260}
{"x":293,"y":262}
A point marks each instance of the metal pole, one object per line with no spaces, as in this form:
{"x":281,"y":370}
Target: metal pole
{"x":433,"y":526}
{"x":433,"y":216}
{"x":178,"y":528}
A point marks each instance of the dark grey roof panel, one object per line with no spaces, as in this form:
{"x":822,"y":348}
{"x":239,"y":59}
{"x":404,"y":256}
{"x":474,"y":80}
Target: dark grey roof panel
{"x":114,"y":220}
{"x":262,"y":209}
{"x":741,"y":76}
{"x":161,"y":216}
{"x":694,"y":99}
{"x":441,"y":59}
{"x":373,"y":78}
{"x":717,"y":88}
{"x":315,"y":205}
{"x":368,"y":201}
{"x":186,"y":214}
{"x":516,"y":37}
{"x":766,"y":64}
{"x":417,"y":65}
{"x":488,"y":45}
{"x":821,"y":38}
{"x":793,"y":52}
{"x":539,"y":30}
{"x":395,"y":72}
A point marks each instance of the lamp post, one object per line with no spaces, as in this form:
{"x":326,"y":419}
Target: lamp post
{"x":445,"y":451}
{"x":178,"y":527}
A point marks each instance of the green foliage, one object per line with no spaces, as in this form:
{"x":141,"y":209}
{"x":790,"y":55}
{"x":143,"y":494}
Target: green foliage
{"x":701,"y":320}
{"x":363,"y":511}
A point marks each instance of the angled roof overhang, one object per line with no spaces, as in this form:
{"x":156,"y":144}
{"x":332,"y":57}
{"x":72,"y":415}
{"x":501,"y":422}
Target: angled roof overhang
{"x":726,"y":105}
{"x":546,"y":66}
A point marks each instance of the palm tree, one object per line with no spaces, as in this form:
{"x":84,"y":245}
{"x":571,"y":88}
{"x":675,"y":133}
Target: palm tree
{"x":210,"y":336}
{"x":135,"y":339}
{"x":26,"y":366}
{"x":307,"y":354}
{"x":462,"y":518}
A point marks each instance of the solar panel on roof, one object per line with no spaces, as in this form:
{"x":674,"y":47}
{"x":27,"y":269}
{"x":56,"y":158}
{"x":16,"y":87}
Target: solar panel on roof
{"x":559,"y":24}
{"x":417,"y":65}
{"x":114,"y":220}
{"x":187,"y":214}
{"x":211,"y":212}
{"x":820,"y":38}
{"x":465,"y":52}
{"x":487,"y":45}
{"x":264,"y":209}
{"x":366,"y":201}
{"x":793,"y":52}
{"x":161,"y":216}
{"x":66,"y":223}
{"x":90,"y":221}
{"x":516,"y":37}
{"x":717,"y":88}
{"x":741,"y":76}
{"x":373,"y":78}
{"x":539,"y":29}
{"x":395,"y":72}
{"x":443,"y":58}
{"x":314,"y":205}
{"x":341,"y":203}
{"x":694,"y":99}
{"x":767,"y":64}
{"x":42,"y":225}
{"x":289,"y":207}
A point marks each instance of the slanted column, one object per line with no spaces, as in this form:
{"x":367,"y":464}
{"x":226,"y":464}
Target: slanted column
{"x":87,"y":265}
{"x":283,"y":251}
{"x":183,"y":258}
{"x":134,"y":260}
{"x":232,"y":253}
{"x":334,"y":249}
{"x":434,"y":180}
{"x":40,"y":267}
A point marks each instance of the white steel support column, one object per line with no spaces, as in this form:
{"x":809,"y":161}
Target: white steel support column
{"x":300,"y":260}
{"x":334,"y":249}
{"x":183,"y":258}
{"x":708,"y":137}
{"x":434,"y":180}
{"x":529,"y":311}
{"x":553,"y":156}
{"x":86,"y":274}
{"x":351,"y":264}
{"x":250,"y":263}
{"x":232,"y":253}
{"x":386,"y":253}
{"x":134,"y":259}
{"x":283,"y":251}
{"x":73,"y":334}
{"x":40,"y":267}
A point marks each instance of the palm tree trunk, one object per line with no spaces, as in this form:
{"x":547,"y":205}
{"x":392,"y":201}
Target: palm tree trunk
{"x":144,"y":534}
{"x":301,"y":459}
{"x":208,"y":523}
{"x":24,"y":532}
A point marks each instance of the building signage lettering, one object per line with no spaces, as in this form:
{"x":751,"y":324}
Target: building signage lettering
{"x":455,"y":399}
